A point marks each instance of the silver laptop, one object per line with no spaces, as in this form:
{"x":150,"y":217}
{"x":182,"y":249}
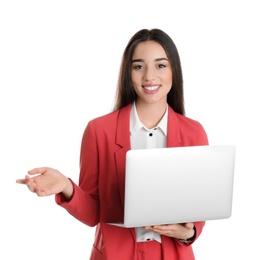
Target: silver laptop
{"x":178,"y":185}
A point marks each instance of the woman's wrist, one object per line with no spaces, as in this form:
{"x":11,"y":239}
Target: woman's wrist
{"x":68,"y":191}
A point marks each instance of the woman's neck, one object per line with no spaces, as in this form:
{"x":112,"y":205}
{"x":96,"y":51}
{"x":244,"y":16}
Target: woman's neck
{"x":150,"y":114}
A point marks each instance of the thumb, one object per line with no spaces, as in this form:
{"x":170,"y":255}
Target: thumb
{"x":189,"y":225}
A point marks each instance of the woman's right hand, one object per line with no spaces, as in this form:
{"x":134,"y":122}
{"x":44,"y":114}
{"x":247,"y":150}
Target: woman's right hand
{"x":47,"y":181}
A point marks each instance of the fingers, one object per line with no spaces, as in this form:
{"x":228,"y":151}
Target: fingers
{"x":31,"y":186}
{"x":34,"y":171}
{"x":39,"y":182}
{"x":29,"y":182}
{"x":21,"y":181}
{"x":189,"y":225}
{"x":40,"y":170}
{"x":182,"y":231}
{"x":158,"y":227}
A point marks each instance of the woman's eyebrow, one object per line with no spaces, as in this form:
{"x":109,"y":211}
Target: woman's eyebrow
{"x":138,"y":60}
{"x":160,"y":59}
{"x":141,"y":60}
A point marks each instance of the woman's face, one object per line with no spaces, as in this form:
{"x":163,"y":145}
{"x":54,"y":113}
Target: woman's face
{"x":151,"y":73}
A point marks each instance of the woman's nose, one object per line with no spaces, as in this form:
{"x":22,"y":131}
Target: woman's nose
{"x":149,"y":74}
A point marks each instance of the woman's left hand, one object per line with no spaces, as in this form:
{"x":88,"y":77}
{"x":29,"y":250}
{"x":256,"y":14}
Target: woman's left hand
{"x":179,"y":231}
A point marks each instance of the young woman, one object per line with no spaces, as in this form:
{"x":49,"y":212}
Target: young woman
{"x":149,"y":113}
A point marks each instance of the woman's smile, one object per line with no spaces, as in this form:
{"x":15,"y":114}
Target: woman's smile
{"x":151,"y":89}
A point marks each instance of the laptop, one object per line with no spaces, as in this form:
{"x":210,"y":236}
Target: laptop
{"x":178,"y":185}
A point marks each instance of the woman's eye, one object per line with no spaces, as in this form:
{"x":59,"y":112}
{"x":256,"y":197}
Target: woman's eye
{"x":138,"y":67}
{"x":161,"y":66}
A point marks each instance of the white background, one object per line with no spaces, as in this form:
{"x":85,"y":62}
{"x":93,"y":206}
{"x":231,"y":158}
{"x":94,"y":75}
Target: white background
{"x":59,"y":62}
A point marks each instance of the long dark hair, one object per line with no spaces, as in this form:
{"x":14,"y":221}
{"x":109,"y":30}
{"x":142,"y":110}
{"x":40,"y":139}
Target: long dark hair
{"x":125,"y":92}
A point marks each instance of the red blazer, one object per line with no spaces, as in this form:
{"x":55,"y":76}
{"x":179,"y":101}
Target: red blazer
{"x":99,"y":197}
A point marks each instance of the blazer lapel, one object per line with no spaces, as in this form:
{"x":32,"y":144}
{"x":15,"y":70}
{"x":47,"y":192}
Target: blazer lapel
{"x":122,"y":140}
{"x":173,"y":134}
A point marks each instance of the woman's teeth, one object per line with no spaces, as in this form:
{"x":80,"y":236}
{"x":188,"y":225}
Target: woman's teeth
{"x":152,"y":88}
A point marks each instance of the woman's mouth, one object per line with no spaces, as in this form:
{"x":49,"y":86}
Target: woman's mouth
{"x":151,"y":89}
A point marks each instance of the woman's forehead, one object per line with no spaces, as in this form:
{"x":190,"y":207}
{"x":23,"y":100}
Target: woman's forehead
{"x":149,"y":50}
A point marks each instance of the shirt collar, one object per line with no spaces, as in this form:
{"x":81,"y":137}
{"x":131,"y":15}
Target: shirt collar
{"x":136,"y":124}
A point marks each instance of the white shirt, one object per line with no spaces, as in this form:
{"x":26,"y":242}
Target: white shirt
{"x":143,"y":137}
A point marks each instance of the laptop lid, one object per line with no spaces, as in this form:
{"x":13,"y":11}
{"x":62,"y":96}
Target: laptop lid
{"x":178,"y":185}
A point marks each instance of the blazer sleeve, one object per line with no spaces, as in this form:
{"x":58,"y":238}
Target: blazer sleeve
{"x":84,"y":204}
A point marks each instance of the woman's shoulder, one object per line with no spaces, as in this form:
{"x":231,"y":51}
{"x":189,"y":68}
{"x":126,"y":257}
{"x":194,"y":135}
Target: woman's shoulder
{"x":183,"y":119}
{"x":106,"y":117}
{"x":112,"y":117}
{"x":191,"y":131}
{"x":186,"y":121}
